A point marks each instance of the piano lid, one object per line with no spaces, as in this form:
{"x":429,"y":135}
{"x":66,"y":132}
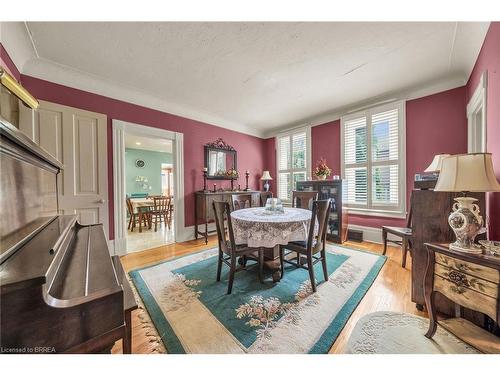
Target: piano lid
{"x":28,"y":189}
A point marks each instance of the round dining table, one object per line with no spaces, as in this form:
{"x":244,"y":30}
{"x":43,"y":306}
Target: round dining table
{"x":258,"y":227}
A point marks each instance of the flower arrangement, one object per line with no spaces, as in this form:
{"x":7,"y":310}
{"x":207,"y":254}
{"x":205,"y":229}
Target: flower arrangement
{"x":232,"y":173}
{"x":322,"y":171}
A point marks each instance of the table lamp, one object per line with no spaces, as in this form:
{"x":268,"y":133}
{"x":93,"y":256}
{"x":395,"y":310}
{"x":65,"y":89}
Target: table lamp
{"x":436,"y":163}
{"x":266,"y":177}
{"x":466,"y":173}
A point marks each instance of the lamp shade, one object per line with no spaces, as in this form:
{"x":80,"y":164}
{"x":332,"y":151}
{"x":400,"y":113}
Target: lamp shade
{"x":435,"y":165}
{"x":266,"y":176}
{"x":467,"y":172}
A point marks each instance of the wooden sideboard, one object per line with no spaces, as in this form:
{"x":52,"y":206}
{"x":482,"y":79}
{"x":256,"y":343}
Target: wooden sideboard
{"x":335,"y":190}
{"x":204,"y":214}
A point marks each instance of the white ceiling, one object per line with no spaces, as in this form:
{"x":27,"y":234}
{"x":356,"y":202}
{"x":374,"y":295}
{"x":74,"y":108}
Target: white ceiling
{"x":149,"y":144}
{"x":256,"y":77}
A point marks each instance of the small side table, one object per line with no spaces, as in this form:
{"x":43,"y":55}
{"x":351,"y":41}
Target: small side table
{"x":469,"y":280}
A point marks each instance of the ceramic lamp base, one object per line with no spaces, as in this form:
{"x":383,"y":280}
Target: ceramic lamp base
{"x":474,"y":249}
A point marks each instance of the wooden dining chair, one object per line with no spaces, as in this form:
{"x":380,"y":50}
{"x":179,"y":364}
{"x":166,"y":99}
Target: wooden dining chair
{"x":264,"y":197}
{"x":241,"y":201}
{"x":403,"y":233}
{"x":161,"y":211}
{"x":303,"y":199}
{"x":314,"y":245}
{"x":228,"y":250}
{"x":136,"y":217}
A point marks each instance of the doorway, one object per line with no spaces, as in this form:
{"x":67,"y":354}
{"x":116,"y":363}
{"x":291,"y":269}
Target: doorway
{"x":149,"y":192}
{"x":148,"y":178}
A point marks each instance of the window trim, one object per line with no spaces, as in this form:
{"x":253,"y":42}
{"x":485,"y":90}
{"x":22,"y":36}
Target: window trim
{"x":307,"y":130}
{"x":477,"y":103}
{"x":369,"y":209}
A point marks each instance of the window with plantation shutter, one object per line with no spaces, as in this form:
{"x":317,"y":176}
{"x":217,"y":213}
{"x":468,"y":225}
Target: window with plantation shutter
{"x":373,"y":162}
{"x":293,"y":161}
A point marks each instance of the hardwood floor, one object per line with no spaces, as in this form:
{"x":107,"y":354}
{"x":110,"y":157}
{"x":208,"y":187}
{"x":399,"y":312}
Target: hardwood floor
{"x":390,"y":291}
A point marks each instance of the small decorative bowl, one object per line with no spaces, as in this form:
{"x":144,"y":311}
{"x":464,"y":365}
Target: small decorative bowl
{"x":492,"y":247}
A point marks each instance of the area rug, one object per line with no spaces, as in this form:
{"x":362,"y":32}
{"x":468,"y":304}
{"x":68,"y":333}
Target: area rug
{"x":193,"y":314}
{"x":386,"y":332}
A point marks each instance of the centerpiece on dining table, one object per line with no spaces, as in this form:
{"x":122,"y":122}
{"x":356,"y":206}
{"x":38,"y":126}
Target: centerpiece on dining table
{"x":274,"y":206}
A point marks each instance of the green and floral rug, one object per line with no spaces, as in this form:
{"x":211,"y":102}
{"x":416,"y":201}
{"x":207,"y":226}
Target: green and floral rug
{"x":193,"y":314}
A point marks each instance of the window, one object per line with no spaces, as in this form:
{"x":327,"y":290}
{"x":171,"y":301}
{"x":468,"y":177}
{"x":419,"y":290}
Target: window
{"x":293,"y":160}
{"x":373,"y":160}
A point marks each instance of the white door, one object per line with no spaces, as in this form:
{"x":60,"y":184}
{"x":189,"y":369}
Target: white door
{"x":78,"y":139}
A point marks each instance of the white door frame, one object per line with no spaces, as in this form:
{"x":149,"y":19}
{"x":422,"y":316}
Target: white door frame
{"x":477,"y":103}
{"x":120,"y":128}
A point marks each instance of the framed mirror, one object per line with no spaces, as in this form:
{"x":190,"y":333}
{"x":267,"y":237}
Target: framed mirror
{"x":220,"y":158}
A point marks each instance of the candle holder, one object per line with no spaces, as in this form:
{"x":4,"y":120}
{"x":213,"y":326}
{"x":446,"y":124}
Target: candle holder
{"x":215,"y":188}
{"x":247,"y":174}
{"x":232,"y":184}
{"x":205,"y":173}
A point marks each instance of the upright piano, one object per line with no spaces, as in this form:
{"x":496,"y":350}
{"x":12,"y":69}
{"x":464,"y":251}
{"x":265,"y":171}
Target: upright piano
{"x":60,"y":289}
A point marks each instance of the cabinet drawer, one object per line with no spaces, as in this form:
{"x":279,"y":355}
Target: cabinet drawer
{"x":466,"y":297}
{"x":472,"y":269}
{"x":462,"y":279}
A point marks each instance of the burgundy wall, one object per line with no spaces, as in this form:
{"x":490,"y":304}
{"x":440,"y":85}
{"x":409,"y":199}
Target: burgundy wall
{"x":489,"y":59}
{"x":8,"y":64}
{"x":325,"y":143}
{"x":250,"y":149}
{"x":434,"y":124}
{"x":270,"y":162}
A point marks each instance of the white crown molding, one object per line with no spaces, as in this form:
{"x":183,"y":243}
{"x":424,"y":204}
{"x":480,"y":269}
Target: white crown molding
{"x":63,"y":75}
{"x":17,"y":41}
{"x":406,"y":94}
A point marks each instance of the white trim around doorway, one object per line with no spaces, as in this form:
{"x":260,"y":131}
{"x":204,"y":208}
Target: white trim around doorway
{"x":120,"y":128}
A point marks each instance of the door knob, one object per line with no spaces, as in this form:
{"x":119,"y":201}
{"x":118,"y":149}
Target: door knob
{"x":100,"y":201}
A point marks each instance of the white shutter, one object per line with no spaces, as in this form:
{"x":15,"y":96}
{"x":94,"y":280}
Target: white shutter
{"x":355,"y":159}
{"x":385,"y":158}
{"x":284,"y":153}
{"x":299,"y":150}
{"x":385,"y":136}
{"x":292,"y":161}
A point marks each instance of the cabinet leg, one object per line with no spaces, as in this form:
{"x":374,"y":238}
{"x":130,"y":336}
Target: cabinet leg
{"x":127,"y":339}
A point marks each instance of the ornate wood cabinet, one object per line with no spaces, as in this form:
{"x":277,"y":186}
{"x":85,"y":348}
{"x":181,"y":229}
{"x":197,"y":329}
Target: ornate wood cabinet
{"x":469,"y":280}
{"x":333,"y":189}
{"x":204,"y":212}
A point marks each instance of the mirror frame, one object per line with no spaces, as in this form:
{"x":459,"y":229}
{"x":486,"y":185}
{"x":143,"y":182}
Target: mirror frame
{"x":220,"y":146}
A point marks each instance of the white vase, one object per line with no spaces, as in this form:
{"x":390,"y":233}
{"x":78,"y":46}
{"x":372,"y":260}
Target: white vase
{"x":466,"y":222}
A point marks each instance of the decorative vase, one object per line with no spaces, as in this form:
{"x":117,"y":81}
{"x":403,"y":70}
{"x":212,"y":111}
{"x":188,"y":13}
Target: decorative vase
{"x":321,"y":177}
{"x":266,"y":185}
{"x":466,"y":222}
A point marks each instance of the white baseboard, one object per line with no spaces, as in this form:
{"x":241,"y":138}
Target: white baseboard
{"x":118,"y":246}
{"x":371,"y":234}
{"x":187,"y":234}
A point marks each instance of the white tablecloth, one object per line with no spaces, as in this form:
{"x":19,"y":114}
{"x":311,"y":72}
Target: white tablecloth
{"x":257,"y":228}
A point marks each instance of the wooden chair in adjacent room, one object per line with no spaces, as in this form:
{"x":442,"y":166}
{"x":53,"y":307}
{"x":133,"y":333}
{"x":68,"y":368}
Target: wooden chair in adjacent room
{"x":403,"y":233}
{"x":161,"y":211}
{"x":264,"y":196}
{"x":136,"y":217}
{"x":314,"y":249}
{"x":228,"y":250}
{"x":241,"y":201}
{"x":303,"y":199}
